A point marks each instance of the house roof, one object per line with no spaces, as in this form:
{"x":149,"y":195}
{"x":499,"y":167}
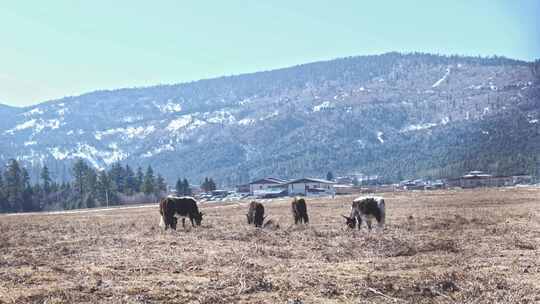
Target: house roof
{"x":310,"y":180}
{"x":468,"y":176}
{"x":268,"y":180}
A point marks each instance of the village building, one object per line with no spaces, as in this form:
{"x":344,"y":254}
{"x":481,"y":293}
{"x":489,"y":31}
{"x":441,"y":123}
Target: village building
{"x":310,"y":186}
{"x":475,"y":179}
{"x":341,"y":189}
{"x":267,"y":184}
{"x":244,"y":188}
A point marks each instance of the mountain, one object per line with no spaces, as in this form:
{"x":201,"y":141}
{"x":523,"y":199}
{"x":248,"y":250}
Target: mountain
{"x":7,"y":115}
{"x":394,"y":115}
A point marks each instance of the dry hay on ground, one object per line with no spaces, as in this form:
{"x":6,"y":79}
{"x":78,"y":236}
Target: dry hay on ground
{"x":479,"y":246}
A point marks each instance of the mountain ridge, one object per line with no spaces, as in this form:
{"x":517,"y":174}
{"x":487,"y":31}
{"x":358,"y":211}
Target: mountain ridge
{"x":250,"y":125}
{"x":508,"y":60}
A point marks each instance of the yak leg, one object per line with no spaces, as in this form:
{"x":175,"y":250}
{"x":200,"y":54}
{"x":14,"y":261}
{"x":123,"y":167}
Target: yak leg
{"x":169,"y":222}
{"x":380,"y":222}
{"x":367,"y":218}
{"x":184,"y":222}
{"x":306,"y":219}
{"x":162,"y":222}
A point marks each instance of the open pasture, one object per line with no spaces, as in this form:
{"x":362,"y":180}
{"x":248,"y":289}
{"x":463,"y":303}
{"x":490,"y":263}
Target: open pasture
{"x":462,"y":246}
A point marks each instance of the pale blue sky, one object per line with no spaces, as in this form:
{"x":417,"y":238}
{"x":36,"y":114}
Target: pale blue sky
{"x":55,"y":48}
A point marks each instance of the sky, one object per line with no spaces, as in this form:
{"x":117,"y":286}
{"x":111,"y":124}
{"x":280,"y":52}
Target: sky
{"x":50,"y":49}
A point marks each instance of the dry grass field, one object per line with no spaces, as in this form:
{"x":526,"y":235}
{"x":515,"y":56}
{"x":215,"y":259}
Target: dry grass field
{"x":465,"y":246}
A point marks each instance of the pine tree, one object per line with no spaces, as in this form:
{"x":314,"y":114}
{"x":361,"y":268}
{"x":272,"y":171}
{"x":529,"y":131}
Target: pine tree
{"x":117,"y":175}
{"x":329,"y":176}
{"x":180,"y":190}
{"x":211,"y":185}
{"x":105,"y":190}
{"x":187,"y":189}
{"x":46,"y":179}
{"x":130,"y":181}
{"x":161,"y":186}
{"x":27,"y":202}
{"x":78,"y":172}
{"x":148,"y":181}
{"x":205,"y":186}
{"x":90,"y":180}
{"x":139,"y":180}
{"x":14,"y":186}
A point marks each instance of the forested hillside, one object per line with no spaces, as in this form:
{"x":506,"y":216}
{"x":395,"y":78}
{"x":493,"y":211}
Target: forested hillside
{"x":393,"y":115}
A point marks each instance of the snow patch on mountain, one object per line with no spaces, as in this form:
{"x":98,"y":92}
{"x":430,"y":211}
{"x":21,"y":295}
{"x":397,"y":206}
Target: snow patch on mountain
{"x":155,"y":151}
{"x":35,"y":111}
{"x":37,"y":125}
{"x":379,"y":137}
{"x":126,"y":133}
{"x":62,"y":112}
{"x":445,"y":120}
{"x":438,"y":82}
{"x":58,"y":154}
{"x":246,"y":121}
{"x":273,"y":114}
{"x":25,"y":125}
{"x":245,"y":101}
{"x":179,"y":123}
{"x":131,"y":119}
{"x":418,"y":127}
{"x":197,"y":123}
{"x":90,"y":154}
{"x":323,"y":106}
{"x":110,"y":157}
{"x":221,"y":117}
{"x":169,"y":107}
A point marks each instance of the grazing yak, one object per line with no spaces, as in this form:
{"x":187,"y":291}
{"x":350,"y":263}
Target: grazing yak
{"x":365,"y":208}
{"x":299,"y":211}
{"x":255,"y":214}
{"x":184,"y":207}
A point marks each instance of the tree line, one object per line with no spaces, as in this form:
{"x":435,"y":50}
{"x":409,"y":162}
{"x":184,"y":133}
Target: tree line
{"x":88,"y":187}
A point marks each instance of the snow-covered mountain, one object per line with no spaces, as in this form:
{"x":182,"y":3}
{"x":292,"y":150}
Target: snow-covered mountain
{"x":392,"y":114}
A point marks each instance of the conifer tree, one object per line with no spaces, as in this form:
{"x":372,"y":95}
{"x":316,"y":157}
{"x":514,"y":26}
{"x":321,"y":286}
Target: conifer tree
{"x":148,"y":186}
{"x":130,"y":181}
{"x":13,"y":186}
{"x":139,"y":179}
{"x":46,"y":179}
{"x":187,"y":189}
{"x":180,"y":190}
{"x":161,"y":186}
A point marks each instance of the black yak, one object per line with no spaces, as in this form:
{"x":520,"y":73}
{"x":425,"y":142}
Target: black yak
{"x":363,"y":209}
{"x":255,"y":214}
{"x":184,"y":207}
{"x":299,"y":211}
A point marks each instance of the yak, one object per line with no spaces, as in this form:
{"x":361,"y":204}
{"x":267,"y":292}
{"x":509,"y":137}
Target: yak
{"x":183,"y":206}
{"x":365,"y":208}
{"x":255,"y":214}
{"x":299,"y":211}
